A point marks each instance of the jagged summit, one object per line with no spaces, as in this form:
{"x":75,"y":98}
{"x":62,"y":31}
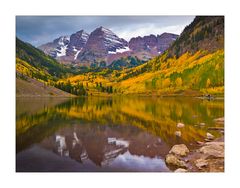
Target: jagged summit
{"x":103,"y":45}
{"x":154,"y":44}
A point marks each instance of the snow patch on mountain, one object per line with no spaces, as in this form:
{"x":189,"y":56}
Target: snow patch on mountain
{"x":84,"y":36}
{"x":76,"y":52}
{"x":76,"y":55}
{"x":61,"y":51}
{"x":120,"y":50}
{"x":64,"y":40}
{"x":111,"y":52}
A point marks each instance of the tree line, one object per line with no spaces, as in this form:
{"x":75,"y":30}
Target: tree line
{"x":77,"y":89}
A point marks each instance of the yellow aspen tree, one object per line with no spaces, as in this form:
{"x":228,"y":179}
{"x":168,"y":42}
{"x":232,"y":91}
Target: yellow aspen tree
{"x":208,"y":83}
{"x":178,"y":82}
{"x":166,"y":82}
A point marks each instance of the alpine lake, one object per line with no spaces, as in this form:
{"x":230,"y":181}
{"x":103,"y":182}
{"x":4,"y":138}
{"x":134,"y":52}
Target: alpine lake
{"x":119,"y":134}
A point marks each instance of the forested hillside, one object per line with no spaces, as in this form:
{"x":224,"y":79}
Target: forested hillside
{"x":37,"y":73}
{"x":204,"y":33}
{"x":39,"y":60}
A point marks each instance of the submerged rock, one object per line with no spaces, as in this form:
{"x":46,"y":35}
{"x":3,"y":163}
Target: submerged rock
{"x":219,"y":120}
{"x":199,"y":142}
{"x":180,"y":125}
{"x":180,"y":170}
{"x":173,"y":160}
{"x":178,"y":133}
{"x":209,"y":136}
{"x":207,"y":140}
{"x":180,"y":149}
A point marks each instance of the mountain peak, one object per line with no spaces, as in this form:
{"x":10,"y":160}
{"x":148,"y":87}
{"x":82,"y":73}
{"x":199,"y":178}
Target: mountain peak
{"x":166,"y":34}
{"x":103,"y":30}
{"x":80,"y":35}
{"x":102,"y":43}
{"x":152,"y":43}
{"x":80,"y":31}
{"x":77,"y":42}
{"x":62,"y":40}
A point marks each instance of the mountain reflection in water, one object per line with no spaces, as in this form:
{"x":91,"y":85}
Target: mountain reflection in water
{"x":107,"y":134}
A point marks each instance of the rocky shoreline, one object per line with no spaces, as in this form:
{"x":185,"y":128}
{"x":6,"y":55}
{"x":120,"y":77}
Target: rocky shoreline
{"x":209,"y":157}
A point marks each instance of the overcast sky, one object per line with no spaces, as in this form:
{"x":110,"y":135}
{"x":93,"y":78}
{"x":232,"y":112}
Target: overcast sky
{"x":38,"y":30}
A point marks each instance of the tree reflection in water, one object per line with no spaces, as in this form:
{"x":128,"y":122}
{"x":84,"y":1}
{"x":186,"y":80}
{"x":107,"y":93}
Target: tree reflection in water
{"x":110,"y":134}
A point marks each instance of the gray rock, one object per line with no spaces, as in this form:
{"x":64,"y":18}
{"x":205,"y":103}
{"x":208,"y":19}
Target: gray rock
{"x":173,"y":160}
{"x":214,"y":149}
{"x":180,"y":125}
{"x":219,"y":120}
{"x":207,"y":140}
{"x":180,"y":149}
{"x":178,"y":133}
{"x":180,"y":170}
{"x":200,"y":163}
{"x":200,"y":143}
{"x":209,"y":136}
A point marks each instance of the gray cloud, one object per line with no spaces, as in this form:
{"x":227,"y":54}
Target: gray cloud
{"x":41,"y":29}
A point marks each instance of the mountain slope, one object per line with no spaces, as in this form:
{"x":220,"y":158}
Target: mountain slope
{"x":39,"y":60}
{"x":126,"y":62}
{"x":201,"y":72}
{"x":57,"y":48}
{"x":105,"y":41}
{"x":102,"y":43}
{"x":153,"y":44}
{"x":36,"y":73}
{"x":28,"y":70}
{"x":76,"y":44}
{"x":204,"y":33}
{"x":28,"y":87}
{"x":65,"y":48}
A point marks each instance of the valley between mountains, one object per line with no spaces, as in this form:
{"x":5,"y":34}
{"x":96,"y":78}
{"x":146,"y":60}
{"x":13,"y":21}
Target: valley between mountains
{"x":96,"y":102}
{"x":102,"y":64}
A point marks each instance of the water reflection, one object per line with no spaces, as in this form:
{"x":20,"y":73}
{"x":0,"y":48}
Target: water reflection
{"x":108,"y":134}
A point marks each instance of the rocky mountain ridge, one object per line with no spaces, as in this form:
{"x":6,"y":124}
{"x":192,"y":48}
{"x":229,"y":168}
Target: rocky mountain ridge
{"x":102,"y":47}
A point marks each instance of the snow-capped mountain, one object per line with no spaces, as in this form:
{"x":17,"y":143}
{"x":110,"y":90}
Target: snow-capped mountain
{"x":66,"y":48}
{"x":102,"y":43}
{"x":103,"y":46}
{"x":76,"y":44}
{"x":57,"y":48}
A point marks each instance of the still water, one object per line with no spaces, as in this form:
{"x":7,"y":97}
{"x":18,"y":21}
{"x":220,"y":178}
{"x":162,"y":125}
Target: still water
{"x":108,"y":134}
